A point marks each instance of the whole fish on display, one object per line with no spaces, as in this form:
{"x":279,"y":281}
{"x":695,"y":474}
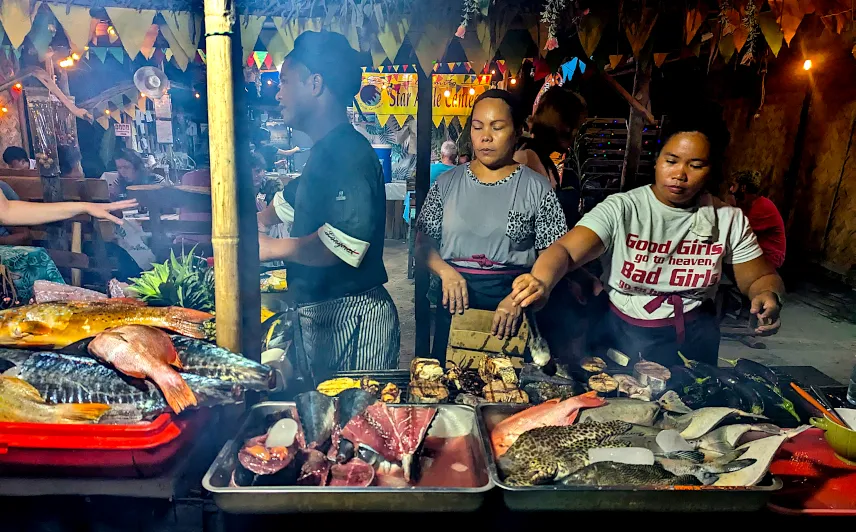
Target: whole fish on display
{"x":72,"y":379}
{"x":21,"y":403}
{"x":618,"y":474}
{"x":145,"y":352}
{"x":209,"y":360}
{"x":57,"y":325}
{"x":625,"y":409}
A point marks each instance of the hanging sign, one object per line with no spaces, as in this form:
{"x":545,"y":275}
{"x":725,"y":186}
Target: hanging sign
{"x":394,"y":94}
{"x":122,"y":130}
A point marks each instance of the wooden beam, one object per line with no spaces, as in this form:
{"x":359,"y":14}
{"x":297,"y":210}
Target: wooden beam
{"x":636,"y":123}
{"x":236,"y":259}
{"x":640,"y":108}
{"x":424,"y":127}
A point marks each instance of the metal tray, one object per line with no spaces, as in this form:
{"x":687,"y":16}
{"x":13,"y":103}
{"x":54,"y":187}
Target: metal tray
{"x":661,"y":499}
{"x":287,"y":499}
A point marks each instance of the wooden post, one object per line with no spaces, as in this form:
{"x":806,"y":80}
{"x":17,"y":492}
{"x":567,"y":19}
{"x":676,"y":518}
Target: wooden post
{"x":424,"y":126}
{"x":236,"y":259}
{"x":636,"y":123}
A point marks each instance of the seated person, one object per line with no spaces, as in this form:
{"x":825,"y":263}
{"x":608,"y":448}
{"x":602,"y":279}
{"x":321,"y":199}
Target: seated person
{"x":16,"y":158}
{"x":764,"y":217}
{"x":131,"y":171}
{"x":69,"y":162}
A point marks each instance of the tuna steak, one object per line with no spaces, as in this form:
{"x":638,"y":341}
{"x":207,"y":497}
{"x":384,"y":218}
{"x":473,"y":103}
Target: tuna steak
{"x":396,"y":433}
{"x":355,"y":473}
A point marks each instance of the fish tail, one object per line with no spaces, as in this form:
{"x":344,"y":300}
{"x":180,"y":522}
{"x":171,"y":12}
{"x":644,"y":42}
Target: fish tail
{"x":187,"y":322}
{"x":177,"y":393}
{"x":80,"y":412}
{"x":719,"y":468}
{"x":693,"y":456}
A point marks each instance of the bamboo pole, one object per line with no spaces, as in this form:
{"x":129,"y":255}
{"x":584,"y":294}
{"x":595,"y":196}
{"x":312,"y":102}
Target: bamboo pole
{"x":236,"y":264}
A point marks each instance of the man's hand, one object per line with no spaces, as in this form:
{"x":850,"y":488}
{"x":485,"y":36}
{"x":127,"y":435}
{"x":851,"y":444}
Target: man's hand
{"x":766,"y":307}
{"x":455,"y":296}
{"x":529,"y":291}
{"x":102,"y":211}
{"x":506,"y":319}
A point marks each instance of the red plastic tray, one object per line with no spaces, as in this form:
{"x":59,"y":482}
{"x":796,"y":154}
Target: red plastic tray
{"x":142,"y":450}
{"x":815,"y":481}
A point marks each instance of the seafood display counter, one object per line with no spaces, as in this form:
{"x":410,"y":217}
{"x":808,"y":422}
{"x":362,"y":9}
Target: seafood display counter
{"x":612,"y":498}
{"x":452,"y":433}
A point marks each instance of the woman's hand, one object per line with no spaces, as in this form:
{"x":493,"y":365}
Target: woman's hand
{"x":527,"y":290}
{"x":455,"y":296}
{"x":766,"y":307}
{"x":506,"y":319}
{"x":102,"y":211}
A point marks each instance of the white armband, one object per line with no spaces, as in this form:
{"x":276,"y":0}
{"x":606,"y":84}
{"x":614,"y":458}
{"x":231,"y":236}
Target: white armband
{"x":351,"y":250}
{"x":283,"y":209}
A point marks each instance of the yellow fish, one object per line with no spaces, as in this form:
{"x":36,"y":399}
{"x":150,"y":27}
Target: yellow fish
{"x":60,"y":324}
{"x":21,"y":403}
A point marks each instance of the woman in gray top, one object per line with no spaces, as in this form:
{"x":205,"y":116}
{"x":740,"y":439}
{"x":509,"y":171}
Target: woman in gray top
{"x":484,"y":223}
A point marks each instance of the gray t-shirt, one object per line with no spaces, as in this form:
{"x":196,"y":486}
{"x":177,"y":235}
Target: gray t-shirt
{"x":506,"y":222}
{"x":10,"y":195}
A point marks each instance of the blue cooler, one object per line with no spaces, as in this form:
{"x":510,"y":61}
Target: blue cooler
{"x":384,"y":155}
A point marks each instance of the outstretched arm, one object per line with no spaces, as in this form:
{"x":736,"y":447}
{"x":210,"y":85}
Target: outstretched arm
{"x":26,"y":213}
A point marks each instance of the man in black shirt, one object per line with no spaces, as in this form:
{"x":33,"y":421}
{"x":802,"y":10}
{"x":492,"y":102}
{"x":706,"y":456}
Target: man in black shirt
{"x":335,"y":256}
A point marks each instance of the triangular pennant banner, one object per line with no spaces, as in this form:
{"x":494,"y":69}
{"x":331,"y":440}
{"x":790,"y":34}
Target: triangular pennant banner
{"x":451,"y":66}
{"x":117,"y":53}
{"x":148,"y":46}
{"x":472,"y":46}
{"x":259,"y":58}
{"x":100,"y":53}
{"x":251,"y":27}
{"x":615,"y":60}
{"x":771,"y":31}
{"x":392,"y":35}
{"x":286,"y":35}
{"x":726,"y":47}
{"x":401,"y":119}
{"x":383,"y":119}
{"x":378,"y":55}
{"x":590,"y":31}
{"x":131,"y":26}
{"x":176,"y":49}
{"x":430,"y":44}
{"x":568,"y":69}
{"x":542,"y":69}
{"x":276,"y":49}
{"x":638,"y":31}
{"x":539,"y":33}
{"x":103,"y":121}
{"x":168,"y":54}
{"x":582,"y":66}
{"x":186,"y":28}
{"x":695,"y":18}
{"x":437,"y":119}
{"x":659,"y":59}
{"x":789,"y":14}
{"x":75,"y":22}
{"x":17,"y":19}
{"x":42,"y":31}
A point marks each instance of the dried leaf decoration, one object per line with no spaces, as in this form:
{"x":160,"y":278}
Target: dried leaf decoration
{"x":771,"y":31}
{"x":615,"y":60}
{"x":590,"y":30}
{"x":789,"y":14}
{"x":659,"y":59}
{"x":638,"y":31}
{"x":695,"y":18}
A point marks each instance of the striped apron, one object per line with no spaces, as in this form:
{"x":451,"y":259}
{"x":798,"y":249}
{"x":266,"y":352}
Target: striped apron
{"x":358,"y":332}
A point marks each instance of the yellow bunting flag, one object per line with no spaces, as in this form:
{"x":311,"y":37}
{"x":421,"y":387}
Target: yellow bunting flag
{"x":383,"y":119}
{"x":131,"y":27}
{"x":437,"y":119}
{"x":186,"y":28}
{"x":638,"y":31}
{"x":17,"y":19}
{"x":392,"y":35}
{"x":472,"y":45}
{"x":726,"y":47}
{"x":103,"y":121}
{"x":175,"y":50}
{"x":276,"y":49}
{"x":615,"y":60}
{"x":251,"y":27}
{"x":430,"y":43}
{"x":75,"y":22}
{"x":285,"y":32}
{"x":659,"y":59}
{"x":695,"y":17}
{"x":590,"y":31}
{"x":148,"y":47}
{"x":771,"y":31}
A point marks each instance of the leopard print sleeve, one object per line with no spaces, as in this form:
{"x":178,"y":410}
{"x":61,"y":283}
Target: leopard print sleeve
{"x":550,"y":224}
{"x":430,"y":220}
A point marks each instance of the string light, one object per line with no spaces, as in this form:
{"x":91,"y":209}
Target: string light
{"x":4,"y":109}
{"x":106,"y":111}
{"x":75,"y":56}
{"x":142,"y":95}
{"x":455,"y":102}
{"x":472,"y":91}
{"x":269,"y":82}
{"x":807,"y":64}
{"x":447,"y":93}
{"x":111,"y":30}
{"x":493,"y":72}
{"x":514,"y":81}
{"x":19,"y":86}
{"x":198,"y":95}
{"x":67,"y":62}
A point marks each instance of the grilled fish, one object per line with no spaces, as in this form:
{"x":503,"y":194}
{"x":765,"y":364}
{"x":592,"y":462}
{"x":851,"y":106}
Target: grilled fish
{"x":73,"y":379}
{"x":20,"y":402}
{"x":145,"y":353}
{"x":208,"y":360}
{"x":57,"y":325}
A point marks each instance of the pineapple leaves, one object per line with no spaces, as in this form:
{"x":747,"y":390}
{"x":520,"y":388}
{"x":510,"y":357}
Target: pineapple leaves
{"x":185,"y":282}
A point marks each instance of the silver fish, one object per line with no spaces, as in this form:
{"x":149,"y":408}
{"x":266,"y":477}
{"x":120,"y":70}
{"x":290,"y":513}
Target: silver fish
{"x":706,"y":472}
{"x":762,"y":451}
{"x":671,"y":402}
{"x":208,"y":360}
{"x":724,"y":439}
{"x":699,"y":422}
{"x":72,"y":379}
{"x":633,"y":411}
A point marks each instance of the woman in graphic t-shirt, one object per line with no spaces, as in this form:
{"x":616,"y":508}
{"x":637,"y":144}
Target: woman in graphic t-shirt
{"x":663,"y":247}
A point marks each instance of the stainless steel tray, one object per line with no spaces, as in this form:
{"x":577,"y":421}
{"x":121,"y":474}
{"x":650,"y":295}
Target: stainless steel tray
{"x":287,"y":499}
{"x":660,"y":499}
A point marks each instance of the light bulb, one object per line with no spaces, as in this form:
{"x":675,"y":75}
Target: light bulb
{"x":4,"y":109}
{"x":111,"y":30}
{"x":447,"y":93}
{"x":493,"y":72}
{"x":19,"y":86}
{"x":807,"y":64}
{"x":198,"y":95}
{"x":75,"y":56}
{"x":106,"y":111}
{"x":514,"y":81}
{"x":472,"y":92}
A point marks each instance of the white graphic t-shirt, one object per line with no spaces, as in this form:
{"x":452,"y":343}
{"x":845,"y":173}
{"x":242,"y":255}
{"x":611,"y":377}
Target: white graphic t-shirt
{"x":651,"y":251}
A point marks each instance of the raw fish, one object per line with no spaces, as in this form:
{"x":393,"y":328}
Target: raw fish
{"x":57,"y":325}
{"x":617,"y":474}
{"x":632,"y":411}
{"x":145,"y":353}
{"x":709,"y":472}
{"x":21,"y":403}
{"x":762,"y":451}
{"x":395,"y":432}
{"x":316,"y":413}
{"x":72,"y":379}
{"x":355,"y":473}
{"x":724,"y":439}
{"x":701,"y":421}
{"x":314,"y":469}
{"x":351,"y":403}
{"x":671,"y":402}
{"x":209,"y":360}
{"x":257,"y":457}
{"x":551,"y":413}
{"x":49,"y":291}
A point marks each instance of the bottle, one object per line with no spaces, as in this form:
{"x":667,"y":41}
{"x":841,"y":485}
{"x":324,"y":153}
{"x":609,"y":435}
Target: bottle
{"x":851,"y":389}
